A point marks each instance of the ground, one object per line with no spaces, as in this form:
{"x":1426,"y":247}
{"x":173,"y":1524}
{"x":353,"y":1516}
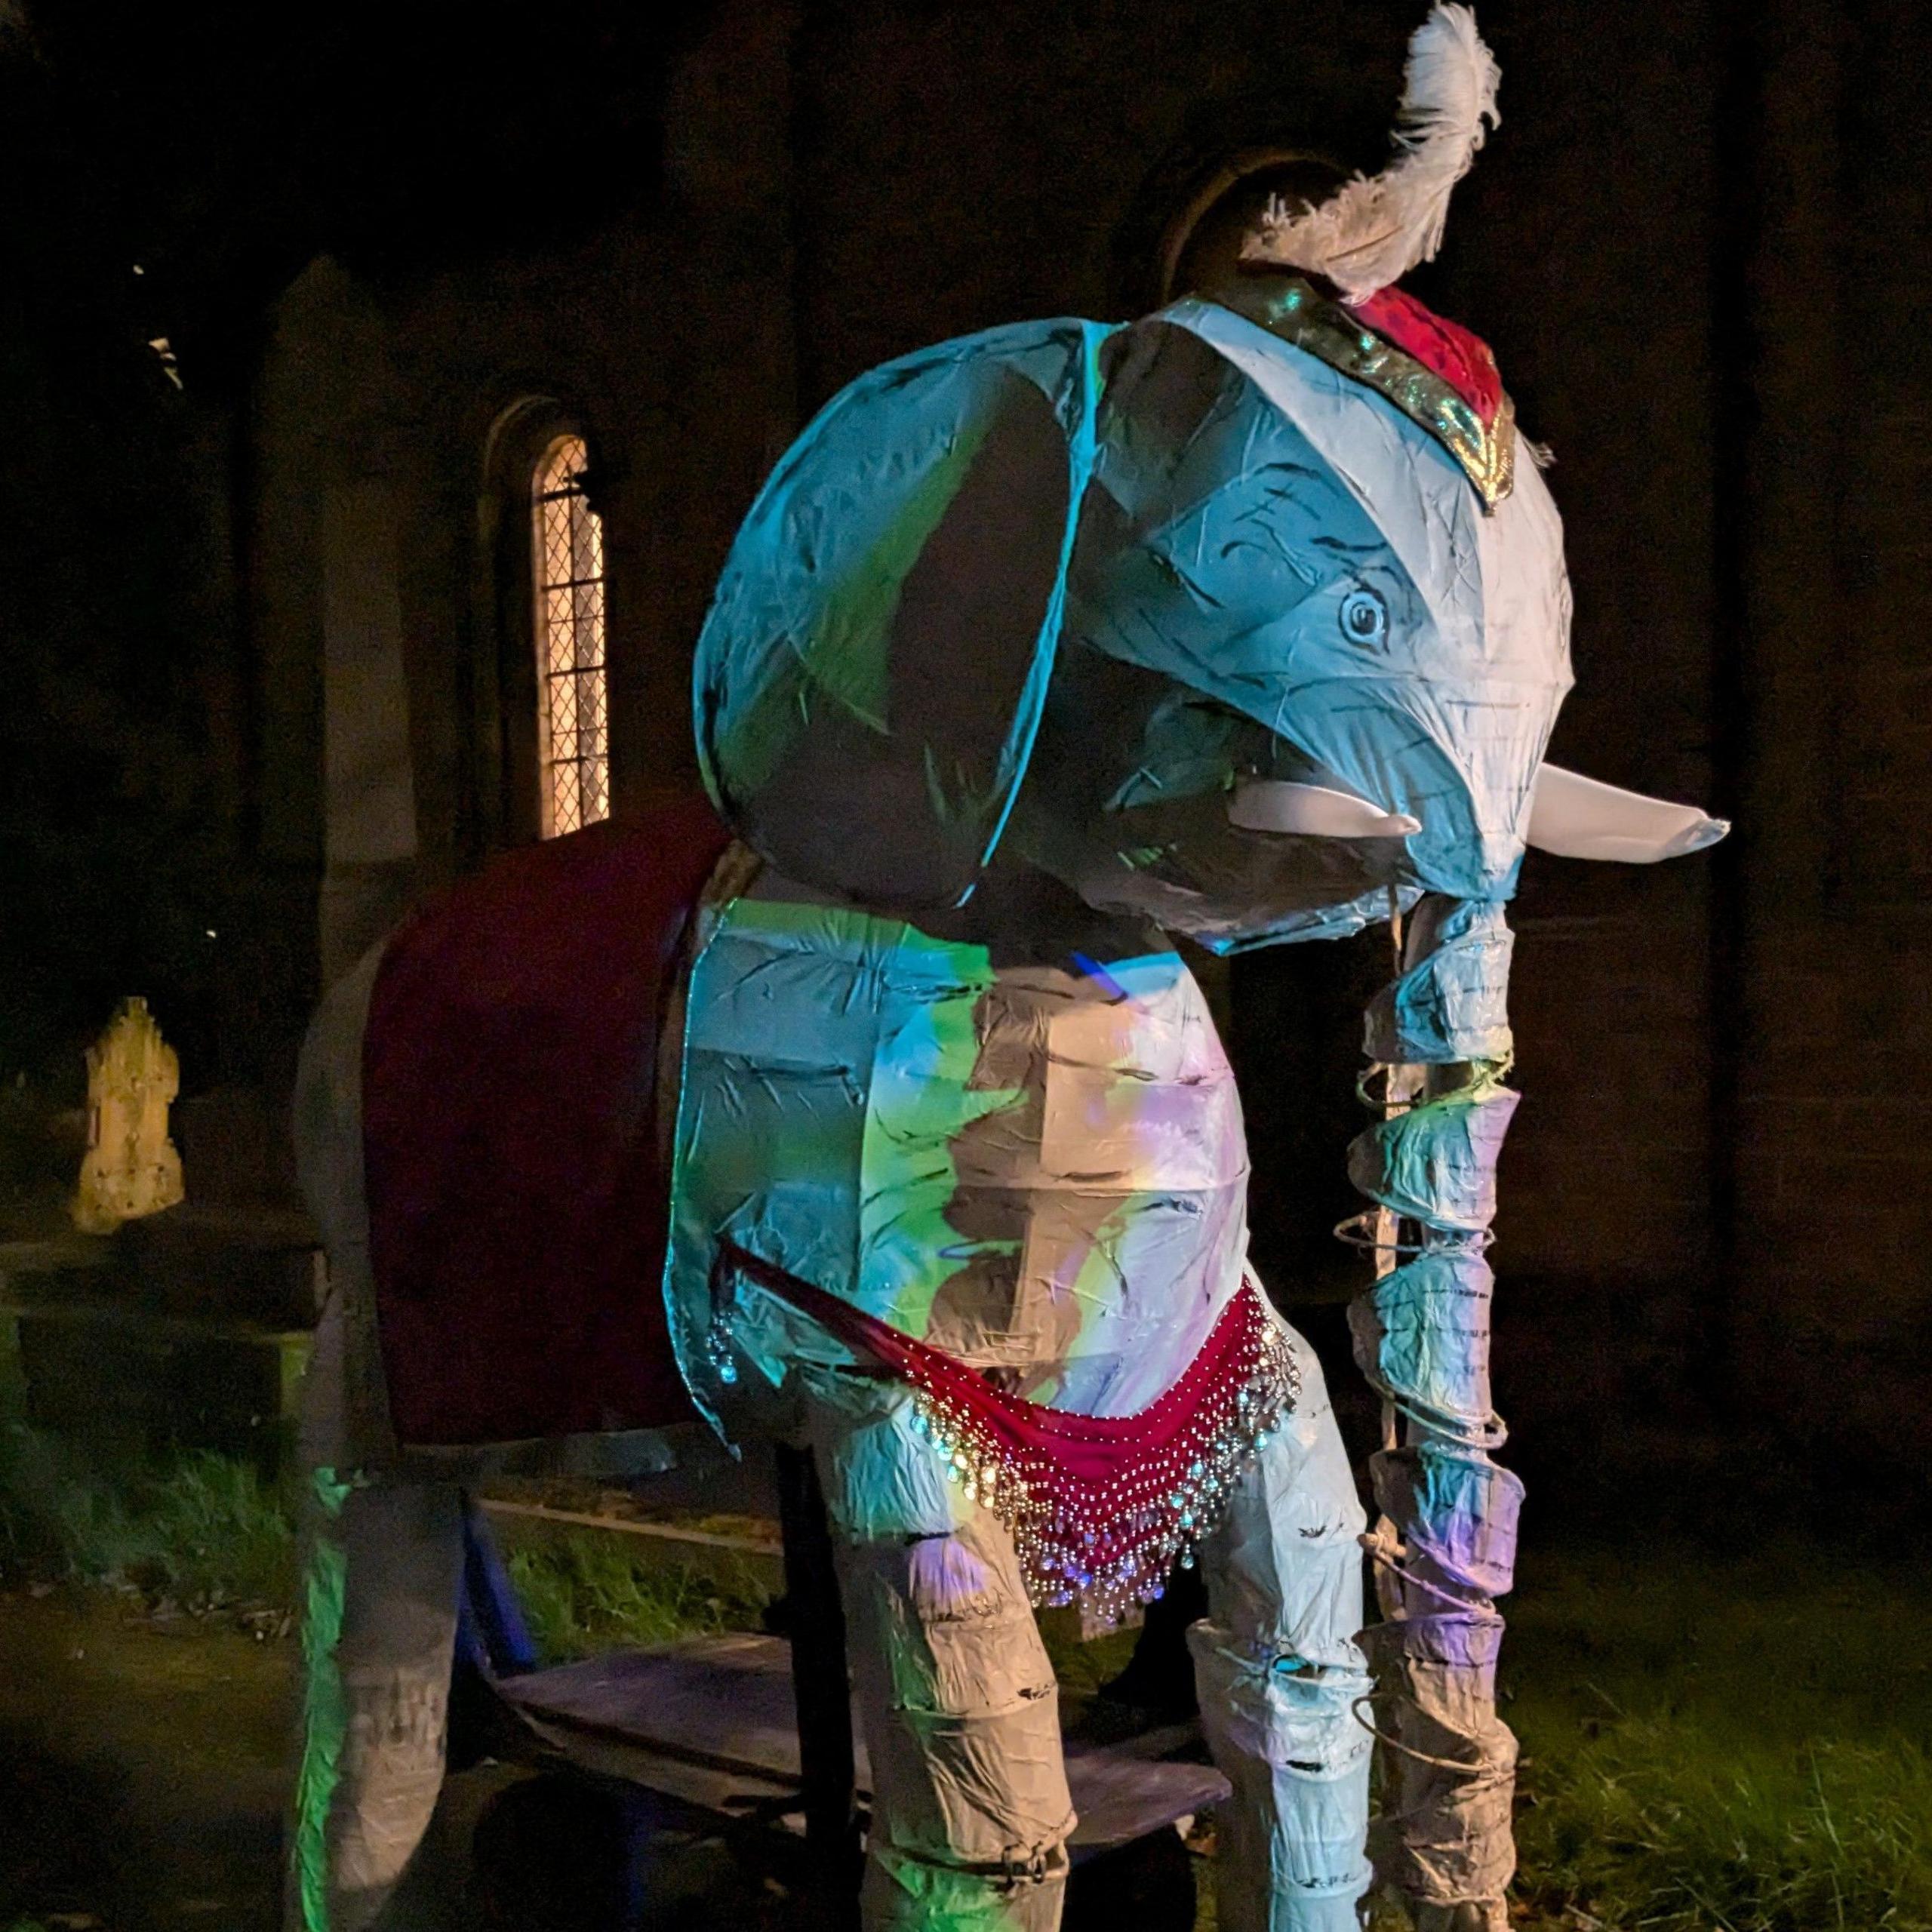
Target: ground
{"x":141,"y":1762}
{"x":1730,"y":1743}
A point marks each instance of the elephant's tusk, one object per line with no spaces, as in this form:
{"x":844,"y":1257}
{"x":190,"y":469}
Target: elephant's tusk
{"x":1316,"y":811}
{"x":1577,"y":817}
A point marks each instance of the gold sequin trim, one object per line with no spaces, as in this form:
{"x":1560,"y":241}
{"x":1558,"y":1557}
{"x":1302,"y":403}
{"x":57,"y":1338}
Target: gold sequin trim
{"x":1289,"y":308}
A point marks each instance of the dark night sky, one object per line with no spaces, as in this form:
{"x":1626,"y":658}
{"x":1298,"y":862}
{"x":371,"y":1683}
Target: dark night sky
{"x":222,"y":145}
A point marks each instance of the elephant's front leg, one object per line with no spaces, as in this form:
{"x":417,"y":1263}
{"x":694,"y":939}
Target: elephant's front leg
{"x":1280,"y":1677}
{"x":960,"y":1713}
{"x":1445,"y":1549}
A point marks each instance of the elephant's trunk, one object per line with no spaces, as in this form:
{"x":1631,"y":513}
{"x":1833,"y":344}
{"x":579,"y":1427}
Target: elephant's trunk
{"x":1445,"y":1546}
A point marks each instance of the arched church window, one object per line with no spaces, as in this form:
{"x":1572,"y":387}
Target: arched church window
{"x":573,"y":690}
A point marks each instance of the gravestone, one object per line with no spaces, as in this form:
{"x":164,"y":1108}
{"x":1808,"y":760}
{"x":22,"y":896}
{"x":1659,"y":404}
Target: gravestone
{"x":132,"y":1168}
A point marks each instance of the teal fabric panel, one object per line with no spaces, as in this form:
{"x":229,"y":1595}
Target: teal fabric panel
{"x":1459,"y":1507}
{"x":1436,"y":1163}
{"x":868,"y":680}
{"x":1422,"y":1338}
{"x":1453,"y":1006}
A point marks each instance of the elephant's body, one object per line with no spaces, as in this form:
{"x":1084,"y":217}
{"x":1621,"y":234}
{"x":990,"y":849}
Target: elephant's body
{"x":1013,"y":1135}
{"x":1018,"y":1137}
{"x":1053,"y":632}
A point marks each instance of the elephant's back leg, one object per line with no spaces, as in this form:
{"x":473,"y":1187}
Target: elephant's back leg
{"x":345,"y":1413}
{"x":381,"y":1555}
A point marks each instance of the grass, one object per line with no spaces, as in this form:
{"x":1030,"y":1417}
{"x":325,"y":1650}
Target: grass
{"x":1711,"y":1743}
{"x":1663,"y":1822}
{"x":200,"y":1529}
{"x":1732,"y":1746}
{"x":580,"y":1593}
{"x":205,"y":1532}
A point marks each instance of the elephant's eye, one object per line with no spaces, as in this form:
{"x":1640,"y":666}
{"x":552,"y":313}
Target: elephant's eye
{"x":1365,"y":617}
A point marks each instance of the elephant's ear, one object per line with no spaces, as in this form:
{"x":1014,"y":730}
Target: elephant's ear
{"x":870,"y":678}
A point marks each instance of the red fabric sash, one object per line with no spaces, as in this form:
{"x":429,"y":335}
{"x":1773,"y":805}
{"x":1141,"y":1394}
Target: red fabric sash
{"x":1462,"y":358}
{"x":1099,"y":1506}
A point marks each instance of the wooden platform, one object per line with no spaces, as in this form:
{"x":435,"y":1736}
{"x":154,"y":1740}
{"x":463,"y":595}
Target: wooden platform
{"x":709,"y":1724}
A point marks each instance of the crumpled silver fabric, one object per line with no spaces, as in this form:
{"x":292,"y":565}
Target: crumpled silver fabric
{"x":960,"y":1709}
{"x":381,"y":1566}
{"x":1040,"y":1168}
{"x":1280,"y":1677}
{"x":956,"y":1694}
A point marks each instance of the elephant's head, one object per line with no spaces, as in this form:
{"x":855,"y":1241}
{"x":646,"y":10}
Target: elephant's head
{"x":1211,"y":630}
{"x":1245,"y":616}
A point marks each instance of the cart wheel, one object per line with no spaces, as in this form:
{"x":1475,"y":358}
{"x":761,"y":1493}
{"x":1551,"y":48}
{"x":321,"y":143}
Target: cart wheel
{"x":557,"y":1853}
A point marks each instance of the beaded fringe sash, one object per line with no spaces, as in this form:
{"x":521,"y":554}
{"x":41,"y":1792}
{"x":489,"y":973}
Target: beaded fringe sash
{"x":1099,"y":1506}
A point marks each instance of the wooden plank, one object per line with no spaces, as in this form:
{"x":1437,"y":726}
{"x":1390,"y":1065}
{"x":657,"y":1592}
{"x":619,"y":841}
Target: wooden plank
{"x":1119,"y":1798}
{"x":706,"y":1792}
{"x":710,"y":1722}
{"x":724,"y":1701}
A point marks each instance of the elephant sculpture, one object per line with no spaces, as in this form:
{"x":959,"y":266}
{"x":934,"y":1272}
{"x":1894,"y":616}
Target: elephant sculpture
{"x":1248,"y":622}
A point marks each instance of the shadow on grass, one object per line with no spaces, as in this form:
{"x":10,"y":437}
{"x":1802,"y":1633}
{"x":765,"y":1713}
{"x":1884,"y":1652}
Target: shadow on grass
{"x":60,"y":1811}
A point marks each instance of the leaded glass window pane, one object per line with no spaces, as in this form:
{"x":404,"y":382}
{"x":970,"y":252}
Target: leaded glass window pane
{"x":574,"y":748}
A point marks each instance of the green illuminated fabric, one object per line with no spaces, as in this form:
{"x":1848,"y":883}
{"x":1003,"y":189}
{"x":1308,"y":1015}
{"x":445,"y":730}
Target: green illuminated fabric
{"x":1039,"y":1168}
{"x":324,"y":1707}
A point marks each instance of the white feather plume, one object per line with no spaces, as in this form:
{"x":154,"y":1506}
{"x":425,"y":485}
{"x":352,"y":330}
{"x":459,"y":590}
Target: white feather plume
{"x":1373,"y":231}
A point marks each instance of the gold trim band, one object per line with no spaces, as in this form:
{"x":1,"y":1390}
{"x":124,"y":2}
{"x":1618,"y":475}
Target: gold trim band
{"x":1290,"y":308}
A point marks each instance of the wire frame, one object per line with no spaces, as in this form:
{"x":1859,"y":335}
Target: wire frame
{"x":573,"y":756}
